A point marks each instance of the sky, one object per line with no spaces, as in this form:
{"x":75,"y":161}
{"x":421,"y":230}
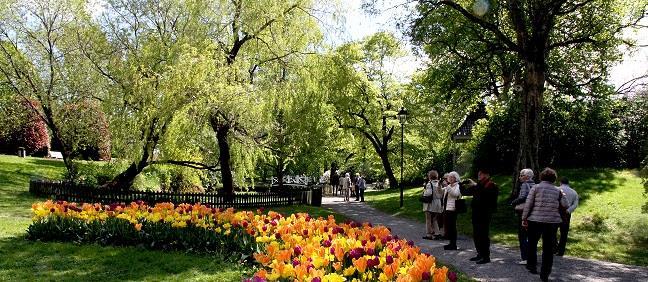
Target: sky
{"x":356,"y":25}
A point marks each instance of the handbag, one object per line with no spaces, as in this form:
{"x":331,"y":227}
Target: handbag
{"x":426,"y":199}
{"x":460,"y":206}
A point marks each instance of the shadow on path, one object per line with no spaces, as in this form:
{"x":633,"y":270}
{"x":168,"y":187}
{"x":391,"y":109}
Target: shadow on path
{"x":503,"y":266}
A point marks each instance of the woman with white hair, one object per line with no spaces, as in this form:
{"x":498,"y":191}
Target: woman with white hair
{"x":346,"y":186}
{"x":451,"y":194}
{"x":526,"y":183}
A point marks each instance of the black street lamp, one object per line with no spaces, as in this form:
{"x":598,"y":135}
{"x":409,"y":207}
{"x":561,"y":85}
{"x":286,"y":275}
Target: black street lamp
{"x":402,"y":116}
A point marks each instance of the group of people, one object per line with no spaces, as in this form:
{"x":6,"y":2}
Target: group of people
{"x":541,"y":208}
{"x":442,"y":202}
{"x":347,"y":186}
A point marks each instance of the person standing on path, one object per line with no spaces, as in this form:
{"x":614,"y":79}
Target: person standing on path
{"x":526,"y":179}
{"x":451,"y":194}
{"x":433,"y":209}
{"x":346,"y":186}
{"x":542,"y":217}
{"x":484,"y":204}
{"x":572,"y":200}
{"x":360,"y":187}
{"x":335,"y":181}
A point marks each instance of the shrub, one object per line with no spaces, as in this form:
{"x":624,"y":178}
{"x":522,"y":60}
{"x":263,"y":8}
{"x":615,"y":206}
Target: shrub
{"x":22,"y":127}
{"x":594,"y":222}
{"x":638,"y":229}
{"x":183,"y":183}
{"x":84,"y":127}
{"x":92,"y":173}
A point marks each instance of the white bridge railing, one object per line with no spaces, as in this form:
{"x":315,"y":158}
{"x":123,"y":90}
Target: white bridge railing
{"x":293,"y":180}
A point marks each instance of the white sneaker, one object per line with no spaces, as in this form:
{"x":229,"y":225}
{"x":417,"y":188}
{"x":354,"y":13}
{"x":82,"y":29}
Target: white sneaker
{"x":522,"y":262}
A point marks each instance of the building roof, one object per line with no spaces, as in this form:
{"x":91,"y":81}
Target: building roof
{"x":464,"y":132}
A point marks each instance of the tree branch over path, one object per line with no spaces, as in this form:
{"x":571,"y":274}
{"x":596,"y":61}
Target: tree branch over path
{"x":482,"y":23}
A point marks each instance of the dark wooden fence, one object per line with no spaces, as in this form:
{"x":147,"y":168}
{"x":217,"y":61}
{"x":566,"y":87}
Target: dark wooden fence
{"x":72,"y":192}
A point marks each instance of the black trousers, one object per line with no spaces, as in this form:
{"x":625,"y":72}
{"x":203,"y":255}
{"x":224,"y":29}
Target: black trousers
{"x":564,"y":230}
{"x":548,"y":233}
{"x":360,"y":195}
{"x":450,"y":223}
{"x":481,"y":227}
{"x":523,"y":238}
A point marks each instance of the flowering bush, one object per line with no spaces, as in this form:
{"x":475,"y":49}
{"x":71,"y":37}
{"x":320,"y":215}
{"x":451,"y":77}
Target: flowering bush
{"x":285,"y":248}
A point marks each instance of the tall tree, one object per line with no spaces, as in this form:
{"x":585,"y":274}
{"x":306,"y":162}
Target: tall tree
{"x":257,"y":40}
{"x":157,"y":59}
{"x":40,"y":60}
{"x":529,"y":43}
{"x":365,"y":94}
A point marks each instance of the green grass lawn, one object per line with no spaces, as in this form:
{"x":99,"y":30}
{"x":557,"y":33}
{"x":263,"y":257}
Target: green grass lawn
{"x":38,"y":261}
{"x":608,"y":224}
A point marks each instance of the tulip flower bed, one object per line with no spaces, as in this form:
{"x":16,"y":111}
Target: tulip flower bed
{"x":282,"y":248}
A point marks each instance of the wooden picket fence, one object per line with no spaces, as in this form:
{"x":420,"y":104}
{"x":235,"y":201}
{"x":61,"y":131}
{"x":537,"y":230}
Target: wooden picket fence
{"x":72,"y":192}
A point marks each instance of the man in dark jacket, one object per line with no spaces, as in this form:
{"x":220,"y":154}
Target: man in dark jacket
{"x":484,"y":204}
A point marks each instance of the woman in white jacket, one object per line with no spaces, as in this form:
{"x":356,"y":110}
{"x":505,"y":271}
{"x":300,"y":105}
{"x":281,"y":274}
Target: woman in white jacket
{"x":451,"y":194}
{"x":433,"y":209}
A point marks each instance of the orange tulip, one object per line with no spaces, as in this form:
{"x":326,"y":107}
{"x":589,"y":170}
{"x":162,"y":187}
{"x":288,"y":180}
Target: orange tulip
{"x":360,"y":264}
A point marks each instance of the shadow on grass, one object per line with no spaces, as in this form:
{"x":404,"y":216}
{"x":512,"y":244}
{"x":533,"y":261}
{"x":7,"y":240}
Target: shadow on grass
{"x":30,"y":261}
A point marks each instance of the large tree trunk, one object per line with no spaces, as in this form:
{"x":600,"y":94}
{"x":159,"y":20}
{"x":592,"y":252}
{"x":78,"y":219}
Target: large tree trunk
{"x":66,"y":151}
{"x":530,"y":122}
{"x":280,"y":172}
{"x":388,"y":169}
{"x":222,"y":127}
{"x":125,"y":179}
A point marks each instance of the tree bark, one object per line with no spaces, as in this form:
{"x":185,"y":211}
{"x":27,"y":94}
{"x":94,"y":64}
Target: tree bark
{"x":530,"y":122}
{"x":125,"y":179}
{"x":280,"y":172}
{"x":388,"y":169}
{"x":222,"y":128}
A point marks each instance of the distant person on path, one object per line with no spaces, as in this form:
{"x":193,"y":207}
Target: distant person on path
{"x":451,"y":194}
{"x":361,"y":185}
{"x":335,"y":181}
{"x":341,"y":186}
{"x":542,"y":217}
{"x":434,"y":208}
{"x":526,"y":179}
{"x":572,"y":200}
{"x":484,"y":204}
{"x":346,"y":186}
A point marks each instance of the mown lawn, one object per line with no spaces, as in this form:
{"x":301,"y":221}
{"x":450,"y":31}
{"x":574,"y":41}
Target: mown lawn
{"x":608,"y":224}
{"x":38,"y":261}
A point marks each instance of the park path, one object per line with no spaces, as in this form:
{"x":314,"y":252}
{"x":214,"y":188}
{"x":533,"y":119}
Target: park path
{"x":503,"y":266}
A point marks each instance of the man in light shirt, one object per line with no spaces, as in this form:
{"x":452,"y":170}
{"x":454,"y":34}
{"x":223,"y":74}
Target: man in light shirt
{"x":572,"y":199}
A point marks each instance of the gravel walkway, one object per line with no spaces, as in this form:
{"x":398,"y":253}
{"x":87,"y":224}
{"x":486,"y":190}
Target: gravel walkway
{"x":503,"y":266}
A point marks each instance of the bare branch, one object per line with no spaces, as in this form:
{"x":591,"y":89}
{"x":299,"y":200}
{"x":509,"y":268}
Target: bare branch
{"x":191,"y":164}
{"x":580,"y":40}
{"x":482,"y":23}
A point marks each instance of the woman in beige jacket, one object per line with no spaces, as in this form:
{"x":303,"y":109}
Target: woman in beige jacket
{"x":434,"y":209}
{"x":451,"y":194}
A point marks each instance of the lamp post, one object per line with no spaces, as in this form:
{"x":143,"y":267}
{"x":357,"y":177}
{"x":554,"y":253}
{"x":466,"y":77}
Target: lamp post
{"x":402,"y":116}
